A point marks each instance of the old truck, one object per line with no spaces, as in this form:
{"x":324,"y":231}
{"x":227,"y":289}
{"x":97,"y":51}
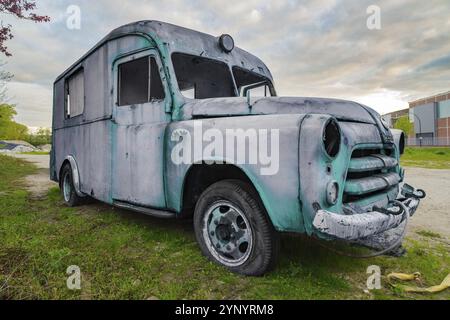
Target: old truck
{"x":127,"y":115}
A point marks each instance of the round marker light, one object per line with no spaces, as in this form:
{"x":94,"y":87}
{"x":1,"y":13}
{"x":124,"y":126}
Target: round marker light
{"x":332,"y":193}
{"x":226,"y":43}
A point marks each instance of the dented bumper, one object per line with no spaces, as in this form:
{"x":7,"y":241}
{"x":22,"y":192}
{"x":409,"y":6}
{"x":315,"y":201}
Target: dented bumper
{"x":366,"y":224}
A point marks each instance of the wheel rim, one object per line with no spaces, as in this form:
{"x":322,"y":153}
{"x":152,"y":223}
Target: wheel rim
{"x":228,"y":234}
{"x":67,"y":187}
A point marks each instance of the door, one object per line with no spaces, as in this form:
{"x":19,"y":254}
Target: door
{"x":139,"y":122}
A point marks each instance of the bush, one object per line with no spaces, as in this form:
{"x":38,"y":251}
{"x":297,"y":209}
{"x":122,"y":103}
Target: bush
{"x":42,"y":137}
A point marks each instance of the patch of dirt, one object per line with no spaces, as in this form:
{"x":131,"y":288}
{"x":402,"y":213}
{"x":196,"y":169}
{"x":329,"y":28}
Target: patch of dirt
{"x":38,"y":184}
{"x":433,"y":214}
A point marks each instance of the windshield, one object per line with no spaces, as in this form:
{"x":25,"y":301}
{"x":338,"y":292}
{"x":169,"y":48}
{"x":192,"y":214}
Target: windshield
{"x":246,"y":80}
{"x":203,"y":78}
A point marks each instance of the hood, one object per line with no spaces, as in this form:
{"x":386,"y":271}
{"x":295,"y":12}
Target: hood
{"x":342,"y":110}
{"x":227,"y":107}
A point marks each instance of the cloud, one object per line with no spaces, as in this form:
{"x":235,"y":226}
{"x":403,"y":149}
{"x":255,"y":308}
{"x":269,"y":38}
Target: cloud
{"x":313,"y":47}
{"x":33,"y":108}
{"x":443,"y":62}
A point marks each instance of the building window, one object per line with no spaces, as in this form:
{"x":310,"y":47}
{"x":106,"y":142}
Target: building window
{"x":444,"y":109}
{"x":75,"y":94}
{"x":139,"y":82}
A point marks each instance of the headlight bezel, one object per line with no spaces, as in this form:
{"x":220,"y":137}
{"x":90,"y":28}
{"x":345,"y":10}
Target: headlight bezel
{"x":331,"y":138}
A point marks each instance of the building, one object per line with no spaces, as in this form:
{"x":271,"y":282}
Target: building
{"x":431,"y":117}
{"x":392,"y":117}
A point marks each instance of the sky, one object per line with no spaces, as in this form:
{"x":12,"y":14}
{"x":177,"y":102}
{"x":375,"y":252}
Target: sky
{"x":320,"y":48}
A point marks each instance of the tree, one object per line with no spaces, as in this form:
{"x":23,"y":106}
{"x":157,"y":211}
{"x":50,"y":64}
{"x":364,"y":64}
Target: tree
{"x":5,"y":77}
{"x":9,"y":129}
{"x":42,"y":137}
{"x":21,"y":9}
{"x":405,"y":125}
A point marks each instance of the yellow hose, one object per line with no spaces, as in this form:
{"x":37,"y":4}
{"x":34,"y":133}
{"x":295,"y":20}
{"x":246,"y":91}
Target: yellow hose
{"x":416,"y":276}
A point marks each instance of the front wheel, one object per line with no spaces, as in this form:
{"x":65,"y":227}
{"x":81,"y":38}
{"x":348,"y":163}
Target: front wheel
{"x":232,"y":228}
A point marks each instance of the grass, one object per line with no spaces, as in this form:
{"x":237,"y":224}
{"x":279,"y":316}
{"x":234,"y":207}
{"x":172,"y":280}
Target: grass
{"x":36,"y":153}
{"x":429,"y":234}
{"x":123,"y":255}
{"x":432,"y":158}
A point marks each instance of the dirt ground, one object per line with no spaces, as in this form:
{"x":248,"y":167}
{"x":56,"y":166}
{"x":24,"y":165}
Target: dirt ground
{"x":38,"y":184}
{"x":433,"y":214}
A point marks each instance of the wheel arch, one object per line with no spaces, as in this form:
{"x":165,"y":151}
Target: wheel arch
{"x":70,"y":160}
{"x":201,"y":176}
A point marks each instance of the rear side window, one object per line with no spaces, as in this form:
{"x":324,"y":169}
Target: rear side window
{"x":139,"y":82}
{"x":75,"y":94}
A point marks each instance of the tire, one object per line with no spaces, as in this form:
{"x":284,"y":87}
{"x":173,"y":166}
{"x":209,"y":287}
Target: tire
{"x":232,"y":229}
{"x":67,"y":188}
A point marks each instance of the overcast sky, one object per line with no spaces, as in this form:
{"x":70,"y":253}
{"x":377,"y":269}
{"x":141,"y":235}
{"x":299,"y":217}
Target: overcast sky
{"x":314,"y":48}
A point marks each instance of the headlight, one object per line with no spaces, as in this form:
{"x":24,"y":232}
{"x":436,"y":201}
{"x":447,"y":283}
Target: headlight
{"x":332,"y":138}
{"x":399,"y":139}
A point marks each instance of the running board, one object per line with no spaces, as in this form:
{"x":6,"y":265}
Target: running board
{"x":148,"y":211}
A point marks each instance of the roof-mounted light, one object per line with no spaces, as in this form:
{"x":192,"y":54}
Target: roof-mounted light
{"x":226,"y":42}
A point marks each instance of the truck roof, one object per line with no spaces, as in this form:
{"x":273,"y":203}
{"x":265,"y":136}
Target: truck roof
{"x":180,"y":39}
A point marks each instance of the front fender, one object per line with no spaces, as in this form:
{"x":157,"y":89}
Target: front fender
{"x":279,"y":192}
{"x":317,"y":170}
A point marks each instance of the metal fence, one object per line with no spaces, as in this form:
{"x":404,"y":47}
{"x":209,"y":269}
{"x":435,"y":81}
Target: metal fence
{"x":428,"y":142}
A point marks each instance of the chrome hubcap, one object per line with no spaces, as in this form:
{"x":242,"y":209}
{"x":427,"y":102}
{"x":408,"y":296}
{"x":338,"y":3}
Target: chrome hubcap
{"x":67,"y":189}
{"x":227,"y":234}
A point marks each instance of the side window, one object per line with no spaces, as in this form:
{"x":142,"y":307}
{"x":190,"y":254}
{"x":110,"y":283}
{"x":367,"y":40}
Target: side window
{"x":75,"y":94}
{"x":139,"y":82}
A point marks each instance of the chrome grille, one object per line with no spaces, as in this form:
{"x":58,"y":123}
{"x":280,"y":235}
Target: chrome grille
{"x":370,"y":172}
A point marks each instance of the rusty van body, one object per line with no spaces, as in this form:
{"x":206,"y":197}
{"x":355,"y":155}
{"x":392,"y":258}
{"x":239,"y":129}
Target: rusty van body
{"x":116,"y":109}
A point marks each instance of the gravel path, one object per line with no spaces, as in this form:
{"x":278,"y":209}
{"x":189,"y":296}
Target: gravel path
{"x":434,"y":211}
{"x":38,"y":184}
{"x":433,"y":214}
{"x":42,"y":162}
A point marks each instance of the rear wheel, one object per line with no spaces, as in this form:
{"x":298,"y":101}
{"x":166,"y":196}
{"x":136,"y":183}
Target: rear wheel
{"x":67,"y":188}
{"x":232,"y":228}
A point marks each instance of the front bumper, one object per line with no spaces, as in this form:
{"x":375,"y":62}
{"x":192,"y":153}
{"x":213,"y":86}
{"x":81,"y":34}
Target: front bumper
{"x":366,"y":224}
